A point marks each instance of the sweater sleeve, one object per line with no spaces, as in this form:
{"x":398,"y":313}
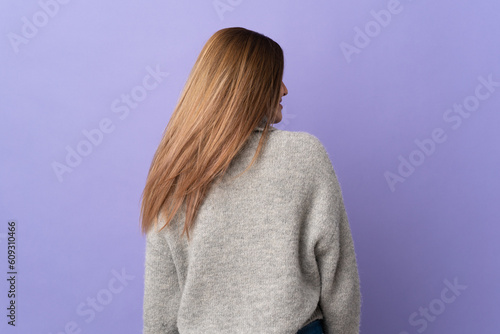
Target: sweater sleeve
{"x":161,"y":287}
{"x":340,"y":298}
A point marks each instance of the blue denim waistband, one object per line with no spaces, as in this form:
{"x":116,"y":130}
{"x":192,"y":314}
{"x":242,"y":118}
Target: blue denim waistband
{"x":314,"y":327}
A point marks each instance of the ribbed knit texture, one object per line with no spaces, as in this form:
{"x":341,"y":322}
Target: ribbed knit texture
{"x":270,"y":251}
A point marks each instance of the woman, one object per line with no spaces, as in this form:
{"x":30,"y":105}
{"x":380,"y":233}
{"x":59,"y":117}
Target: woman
{"x":268,"y":248}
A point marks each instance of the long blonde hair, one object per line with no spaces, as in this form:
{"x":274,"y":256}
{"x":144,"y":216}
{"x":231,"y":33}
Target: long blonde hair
{"x":234,"y":86}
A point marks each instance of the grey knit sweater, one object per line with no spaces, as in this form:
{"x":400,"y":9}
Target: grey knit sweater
{"x":270,"y":251}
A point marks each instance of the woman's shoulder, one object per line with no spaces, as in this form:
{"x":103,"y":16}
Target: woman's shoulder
{"x":302,"y":147}
{"x":298,"y":140}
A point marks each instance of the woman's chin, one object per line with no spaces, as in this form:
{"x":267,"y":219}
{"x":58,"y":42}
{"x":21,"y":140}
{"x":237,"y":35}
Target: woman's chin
{"x":278,"y":118}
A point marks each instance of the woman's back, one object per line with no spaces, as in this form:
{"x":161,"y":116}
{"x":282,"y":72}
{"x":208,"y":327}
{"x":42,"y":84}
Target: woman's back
{"x":270,"y":251}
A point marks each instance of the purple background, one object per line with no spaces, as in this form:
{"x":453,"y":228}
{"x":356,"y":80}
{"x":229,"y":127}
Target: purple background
{"x":78,"y":231}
